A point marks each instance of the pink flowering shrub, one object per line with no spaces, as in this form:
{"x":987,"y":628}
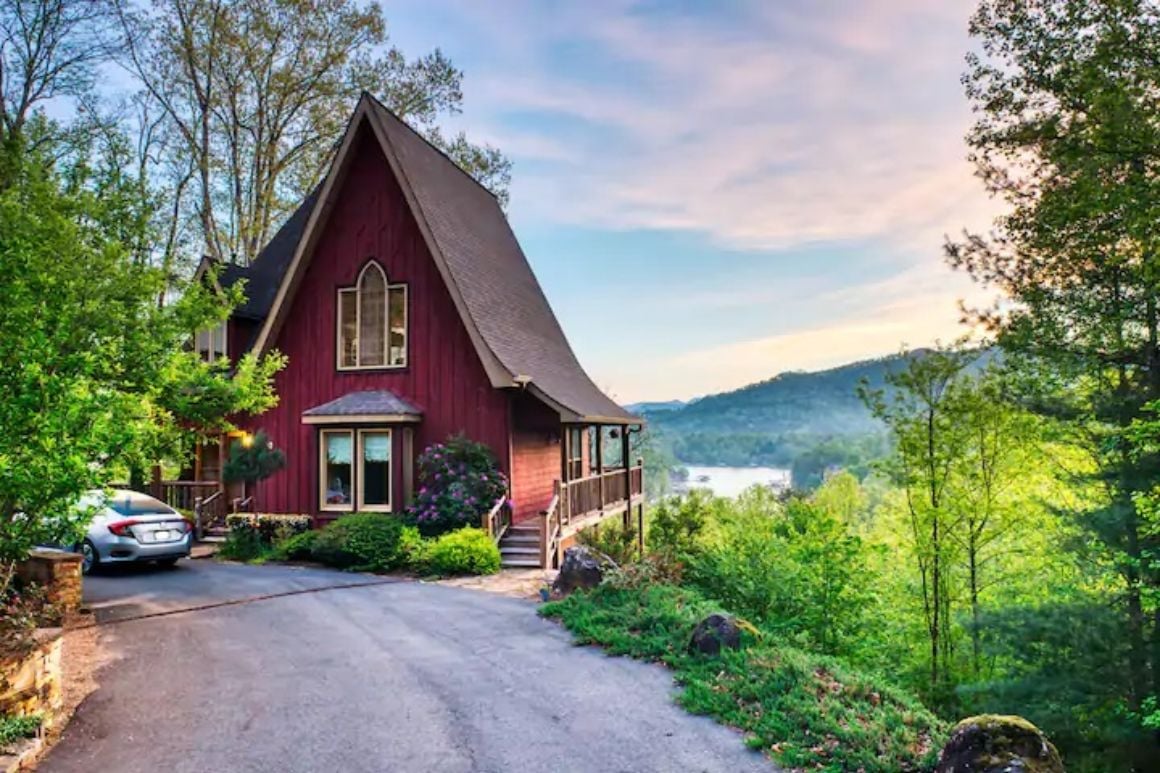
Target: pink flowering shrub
{"x":459,"y":481}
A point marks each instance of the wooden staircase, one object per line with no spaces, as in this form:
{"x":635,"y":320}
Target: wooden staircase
{"x":520,"y":545}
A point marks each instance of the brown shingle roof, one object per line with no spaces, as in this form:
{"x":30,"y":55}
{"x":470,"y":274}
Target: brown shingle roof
{"x":498,"y":296}
{"x":378,"y":402}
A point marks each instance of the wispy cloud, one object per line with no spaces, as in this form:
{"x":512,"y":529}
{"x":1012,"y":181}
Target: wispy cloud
{"x":794,"y":123}
{"x":765,"y":129}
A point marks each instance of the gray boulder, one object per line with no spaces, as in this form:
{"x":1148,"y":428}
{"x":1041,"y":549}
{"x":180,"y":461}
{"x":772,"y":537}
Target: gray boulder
{"x":994,"y":743}
{"x":580,"y":569}
{"x":713,"y":633}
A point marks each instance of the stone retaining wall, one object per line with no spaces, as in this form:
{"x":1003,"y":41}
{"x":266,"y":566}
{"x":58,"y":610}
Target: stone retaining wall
{"x":59,"y":573}
{"x":32,"y":684}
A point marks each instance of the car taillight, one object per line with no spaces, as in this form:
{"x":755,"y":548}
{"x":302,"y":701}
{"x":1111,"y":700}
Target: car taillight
{"x":121,"y":528}
{"x":186,"y":525}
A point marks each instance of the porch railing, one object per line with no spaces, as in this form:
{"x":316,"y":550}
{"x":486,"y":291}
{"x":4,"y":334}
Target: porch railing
{"x":550,"y":532}
{"x":610,"y":490}
{"x":497,"y":520}
{"x":208,"y":512}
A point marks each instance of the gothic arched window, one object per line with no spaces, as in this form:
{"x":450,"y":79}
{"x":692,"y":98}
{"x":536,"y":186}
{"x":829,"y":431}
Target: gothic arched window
{"x":372,"y":322}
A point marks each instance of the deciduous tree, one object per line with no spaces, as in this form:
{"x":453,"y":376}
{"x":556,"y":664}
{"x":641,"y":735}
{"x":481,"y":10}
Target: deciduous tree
{"x":1067,"y":134}
{"x":256,"y":93}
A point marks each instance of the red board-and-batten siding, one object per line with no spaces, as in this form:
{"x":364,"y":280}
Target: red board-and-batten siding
{"x":443,"y":377}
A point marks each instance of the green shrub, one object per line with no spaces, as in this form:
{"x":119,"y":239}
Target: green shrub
{"x":789,"y":565}
{"x":299,"y":547}
{"x":612,"y":539}
{"x":13,"y":729}
{"x":466,"y":551}
{"x":253,"y":536}
{"x":807,"y":711}
{"x":678,"y":527}
{"x":269,"y":527}
{"x":366,"y":542}
{"x":459,"y":482}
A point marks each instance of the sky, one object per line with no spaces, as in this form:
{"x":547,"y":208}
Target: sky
{"x":712,"y":193}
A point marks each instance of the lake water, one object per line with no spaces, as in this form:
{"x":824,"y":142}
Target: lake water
{"x":731,"y":481}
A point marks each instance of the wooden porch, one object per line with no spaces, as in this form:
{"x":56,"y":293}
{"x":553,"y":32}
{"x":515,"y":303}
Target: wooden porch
{"x":586,"y":502}
{"x":591,"y":487}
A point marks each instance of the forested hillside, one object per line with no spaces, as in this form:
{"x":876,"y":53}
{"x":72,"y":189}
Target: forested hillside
{"x":808,"y":421}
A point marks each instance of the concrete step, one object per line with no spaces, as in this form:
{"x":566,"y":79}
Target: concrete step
{"x":520,"y":539}
{"x":522,"y":563}
{"x":519,"y":550}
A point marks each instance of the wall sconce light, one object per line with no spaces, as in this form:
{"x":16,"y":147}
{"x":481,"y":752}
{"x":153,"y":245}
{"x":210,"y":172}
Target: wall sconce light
{"x":247,"y":440}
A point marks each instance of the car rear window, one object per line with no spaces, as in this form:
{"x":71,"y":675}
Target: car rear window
{"x":138,"y":504}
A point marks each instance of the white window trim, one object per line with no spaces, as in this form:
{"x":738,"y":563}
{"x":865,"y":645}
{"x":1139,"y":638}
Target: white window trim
{"x":358,"y":322}
{"x":322,"y":475}
{"x":358,"y":503}
{"x":212,"y":354}
{"x":361,"y":492}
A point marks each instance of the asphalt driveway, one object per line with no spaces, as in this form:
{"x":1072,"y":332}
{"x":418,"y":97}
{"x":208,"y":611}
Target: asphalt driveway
{"x":351,"y":673}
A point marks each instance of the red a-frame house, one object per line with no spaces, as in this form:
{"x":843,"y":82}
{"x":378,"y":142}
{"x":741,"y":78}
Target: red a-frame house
{"x":409,"y":313}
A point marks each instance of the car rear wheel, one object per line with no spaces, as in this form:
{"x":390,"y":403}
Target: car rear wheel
{"x":90,"y":559}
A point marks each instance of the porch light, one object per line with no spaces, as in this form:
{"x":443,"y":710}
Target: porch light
{"x":247,"y":440}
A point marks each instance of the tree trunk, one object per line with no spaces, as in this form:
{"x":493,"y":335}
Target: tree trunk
{"x":972,"y":557}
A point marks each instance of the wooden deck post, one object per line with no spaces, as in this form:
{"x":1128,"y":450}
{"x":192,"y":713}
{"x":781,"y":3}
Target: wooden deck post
{"x":640,"y":531}
{"x":624,"y":451}
{"x":544,"y":540}
{"x":600,"y":462}
{"x":155,"y":482}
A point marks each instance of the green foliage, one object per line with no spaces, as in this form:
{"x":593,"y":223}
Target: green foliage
{"x":253,"y":536}
{"x":853,"y":455}
{"x":1066,"y":118}
{"x":22,"y":611}
{"x":660,"y":465}
{"x":254,"y":163}
{"x":791,"y":566}
{"x":612,"y":539}
{"x":812,"y":420}
{"x":366,"y":542}
{"x":1062,"y":668}
{"x":13,"y":729}
{"x":807,"y":711}
{"x":676,"y":526}
{"x":466,"y":551}
{"x":459,"y":482}
{"x":299,"y":547}
{"x":253,"y":462}
{"x":94,"y":373}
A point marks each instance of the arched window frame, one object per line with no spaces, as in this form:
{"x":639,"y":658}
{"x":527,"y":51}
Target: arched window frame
{"x":353,"y":294}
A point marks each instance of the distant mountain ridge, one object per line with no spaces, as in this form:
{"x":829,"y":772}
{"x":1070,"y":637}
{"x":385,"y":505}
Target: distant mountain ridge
{"x":654,"y":407}
{"x":824,"y":401}
{"x":776,"y":420}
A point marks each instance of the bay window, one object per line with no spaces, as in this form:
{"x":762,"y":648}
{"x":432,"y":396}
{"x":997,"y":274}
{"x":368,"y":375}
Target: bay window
{"x":355,"y":470}
{"x":337,"y":469}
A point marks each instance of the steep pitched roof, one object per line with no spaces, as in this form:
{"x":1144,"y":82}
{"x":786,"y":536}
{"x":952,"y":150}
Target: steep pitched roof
{"x":264,"y":275}
{"x":515,"y":333}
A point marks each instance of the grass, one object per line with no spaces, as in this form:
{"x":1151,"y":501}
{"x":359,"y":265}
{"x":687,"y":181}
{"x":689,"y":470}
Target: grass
{"x":13,"y":729}
{"x":805,"y":710}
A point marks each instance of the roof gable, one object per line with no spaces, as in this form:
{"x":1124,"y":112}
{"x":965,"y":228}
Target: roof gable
{"x":502,"y":305}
